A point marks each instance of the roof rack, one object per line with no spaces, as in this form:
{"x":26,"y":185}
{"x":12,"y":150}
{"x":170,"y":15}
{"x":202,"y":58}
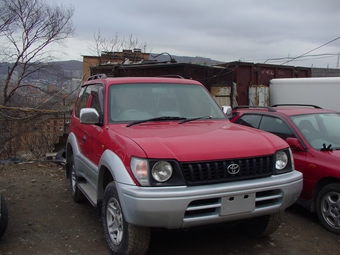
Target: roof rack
{"x":96,"y":76}
{"x":308,"y":105}
{"x":269,"y":108}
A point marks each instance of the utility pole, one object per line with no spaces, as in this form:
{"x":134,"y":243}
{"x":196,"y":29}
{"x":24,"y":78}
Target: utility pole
{"x":337,"y":63}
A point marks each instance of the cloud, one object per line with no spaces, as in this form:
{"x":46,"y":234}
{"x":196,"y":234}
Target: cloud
{"x":254,"y":31}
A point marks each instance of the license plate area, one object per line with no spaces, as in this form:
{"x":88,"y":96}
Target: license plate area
{"x":238,"y":204}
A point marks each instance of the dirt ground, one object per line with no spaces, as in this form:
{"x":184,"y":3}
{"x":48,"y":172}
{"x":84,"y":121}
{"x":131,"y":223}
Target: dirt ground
{"x":43,"y":219}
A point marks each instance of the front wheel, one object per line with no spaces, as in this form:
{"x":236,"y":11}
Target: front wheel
{"x":328,"y":207}
{"x":3,"y":216}
{"x":263,"y":225}
{"x":122,"y":237}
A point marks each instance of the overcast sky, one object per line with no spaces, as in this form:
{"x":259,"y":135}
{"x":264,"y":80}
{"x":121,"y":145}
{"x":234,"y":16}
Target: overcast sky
{"x":306,"y":32}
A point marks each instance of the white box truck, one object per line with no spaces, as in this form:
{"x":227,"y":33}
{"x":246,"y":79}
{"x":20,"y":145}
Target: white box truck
{"x":323,"y":92}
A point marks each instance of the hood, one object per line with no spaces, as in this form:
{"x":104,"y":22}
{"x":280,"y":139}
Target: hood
{"x":200,"y":140}
{"x":332,"y":153}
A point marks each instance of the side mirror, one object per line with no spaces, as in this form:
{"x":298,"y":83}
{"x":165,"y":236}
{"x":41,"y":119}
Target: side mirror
{"x":89,"y":116}
{"x":294,"y":144}
{"x":227,"y":110}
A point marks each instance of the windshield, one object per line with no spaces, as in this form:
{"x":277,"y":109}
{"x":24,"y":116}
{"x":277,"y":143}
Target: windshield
{"x":320,"y":130}
{"x":135,"y":102}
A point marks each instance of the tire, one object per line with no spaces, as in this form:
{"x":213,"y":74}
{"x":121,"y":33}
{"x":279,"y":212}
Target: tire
{"x":3,"y":217}
{"x":263,"y":225}
{"x":122,"y":237}
{"x":77,"y":195}
{"x":328,"y":207}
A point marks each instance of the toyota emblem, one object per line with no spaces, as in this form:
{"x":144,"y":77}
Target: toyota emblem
{"x":233,"y":169}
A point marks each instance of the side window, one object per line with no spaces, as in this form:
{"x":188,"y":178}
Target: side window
{"x":250,"y":120}
{"x":97,"y":100}
{"x":82,"y":99}
{"x":276,"y":126}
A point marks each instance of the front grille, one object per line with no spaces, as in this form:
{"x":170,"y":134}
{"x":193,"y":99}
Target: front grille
{"x":208,"y":172}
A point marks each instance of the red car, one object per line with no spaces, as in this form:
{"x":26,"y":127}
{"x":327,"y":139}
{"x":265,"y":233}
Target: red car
{"x":314,"y":137}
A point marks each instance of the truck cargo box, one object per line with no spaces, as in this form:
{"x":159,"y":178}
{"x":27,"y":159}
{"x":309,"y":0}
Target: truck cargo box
{"x":324,"y":92}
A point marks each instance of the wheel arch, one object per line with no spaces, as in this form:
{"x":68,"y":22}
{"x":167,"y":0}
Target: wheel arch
{"x":104,"y":178}
{"x":111,"y":168}
{"x":71,"y":149}
{"x":319,"y":185}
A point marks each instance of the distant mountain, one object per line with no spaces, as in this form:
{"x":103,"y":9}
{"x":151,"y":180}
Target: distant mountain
{"x":70,"y":65}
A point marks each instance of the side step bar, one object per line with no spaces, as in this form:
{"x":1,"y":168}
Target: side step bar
{"x":89,"y":192}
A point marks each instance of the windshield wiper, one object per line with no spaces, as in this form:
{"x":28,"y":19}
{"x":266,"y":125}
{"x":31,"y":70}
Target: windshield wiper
{"x":155,"y":119}
{"x":329,"y":148}
{"x":192,"y":119}
{"x":326,"y":148}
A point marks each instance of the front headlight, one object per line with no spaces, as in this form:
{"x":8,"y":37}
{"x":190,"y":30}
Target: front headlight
{"x":283,"y":161}
{"x":155,"y":172}
{"x":161,"y":171}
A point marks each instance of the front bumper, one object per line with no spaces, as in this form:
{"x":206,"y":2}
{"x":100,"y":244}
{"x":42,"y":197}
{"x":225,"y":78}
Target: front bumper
{"x":188,"y":206}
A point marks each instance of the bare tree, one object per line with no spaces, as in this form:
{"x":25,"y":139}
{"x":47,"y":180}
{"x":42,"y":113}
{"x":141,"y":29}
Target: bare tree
{"x":132,"y":43}
{"x":111,"y":44}
{"x":6,"y":19}
{"x":101,"y":44}
{"x":32,"y":26}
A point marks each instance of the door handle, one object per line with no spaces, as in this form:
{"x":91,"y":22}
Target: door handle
{"x":84,"y":139}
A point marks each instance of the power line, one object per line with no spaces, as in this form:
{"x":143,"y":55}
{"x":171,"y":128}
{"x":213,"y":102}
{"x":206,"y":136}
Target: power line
{"x":311,"y":50}
{"x":310,"y":57}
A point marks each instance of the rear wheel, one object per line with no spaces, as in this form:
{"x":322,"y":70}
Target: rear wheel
{"x":123,"y":238}
{"x":77,"y":195}
{"x":3,"y":216}
{"x":328,"y":207}
{"x":263,"y":225}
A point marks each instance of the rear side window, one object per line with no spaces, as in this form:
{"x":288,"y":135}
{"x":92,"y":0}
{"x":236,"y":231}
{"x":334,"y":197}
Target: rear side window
{"x":250,"y":120}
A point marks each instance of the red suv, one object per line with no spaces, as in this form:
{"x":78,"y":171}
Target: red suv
{"x":314,"y":137}
{"x":159,"y":152}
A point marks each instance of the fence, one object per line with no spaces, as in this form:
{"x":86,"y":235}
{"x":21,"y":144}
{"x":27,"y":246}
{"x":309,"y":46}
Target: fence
{"x":31,"y":134}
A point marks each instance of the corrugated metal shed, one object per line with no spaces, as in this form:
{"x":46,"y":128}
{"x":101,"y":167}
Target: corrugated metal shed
{"x":250,"y":74}
{"x":214,"y":78}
